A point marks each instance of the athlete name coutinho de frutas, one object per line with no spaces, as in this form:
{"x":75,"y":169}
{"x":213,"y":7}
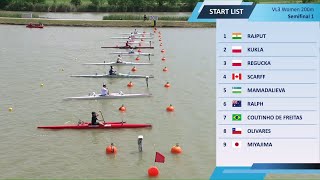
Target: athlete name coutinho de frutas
{"x":225,"y":11}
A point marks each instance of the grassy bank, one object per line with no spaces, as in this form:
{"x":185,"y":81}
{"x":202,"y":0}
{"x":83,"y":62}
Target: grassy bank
{"x":137,"y":17}
{"x":104,"y":23}
{"x":14,"y":14}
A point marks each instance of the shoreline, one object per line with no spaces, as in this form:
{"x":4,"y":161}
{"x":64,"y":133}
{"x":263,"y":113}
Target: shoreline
{"x":103,"y":23}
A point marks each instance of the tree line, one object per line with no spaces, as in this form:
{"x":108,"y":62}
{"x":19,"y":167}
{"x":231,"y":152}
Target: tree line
{"x":99,"y":5}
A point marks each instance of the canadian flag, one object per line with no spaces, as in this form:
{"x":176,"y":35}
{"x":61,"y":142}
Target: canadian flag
{"x":236,"y":76}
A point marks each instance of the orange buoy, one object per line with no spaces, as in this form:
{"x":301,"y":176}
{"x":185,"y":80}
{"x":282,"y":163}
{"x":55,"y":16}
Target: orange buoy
{"x":111,"y":149}
{"x":155,"y":28}
{"x":130,"y":84}
{"x":159,"y":36}
{"x":122,"y":108}
{"x":134,"y":69}
{"x":137,"y":59}
{"x":162,"y":50}
{"x":165,"y":69}
{"x":154,"y":31}
{"x":139,"y":50}
{"x":167,"y":85}
{"x":170,"y":108}
{"x":160,"y":39}
{"x":176,"y":149}
{"x":153,"y":171}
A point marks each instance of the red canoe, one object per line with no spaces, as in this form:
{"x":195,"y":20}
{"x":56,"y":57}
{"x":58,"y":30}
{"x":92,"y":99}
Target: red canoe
{"x":106,"y":125}
{"x":35,"y":26}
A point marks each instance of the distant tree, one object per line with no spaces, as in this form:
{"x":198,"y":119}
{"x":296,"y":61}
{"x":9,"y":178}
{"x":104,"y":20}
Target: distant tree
{"x":75,"y":2}
{"x":308,"y":1}
{"x":98,"y":3}
{"x":4,"y":3}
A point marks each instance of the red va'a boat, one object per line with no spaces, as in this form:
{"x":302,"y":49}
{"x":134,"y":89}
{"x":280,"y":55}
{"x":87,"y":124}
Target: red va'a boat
{"x":35,"y":25}
{"x":105,"y":125}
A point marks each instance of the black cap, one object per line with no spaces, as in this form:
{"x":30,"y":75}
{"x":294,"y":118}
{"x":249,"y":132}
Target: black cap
{"x":93,"y":113}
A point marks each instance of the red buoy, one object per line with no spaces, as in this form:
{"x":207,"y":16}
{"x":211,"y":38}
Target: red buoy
{"x":142,"y":40}
{"x":122,"y":108}
{"x":111,"y":149}
{"x":160,"y":39}
{"x":176,"y":149}
{"x":153,"y":171}
{"x":170,"y":108}
{"x":160,"y":44}
{"x":140,"y":44}
{"x":137,"y":59}
{"x":139,"y":50}
{"x":130,"y":84}
{"x":167,"y":85}
{"x":134,"y":69}
{"x":165,"y":69}
{"x":163,"y":59}
{"x":162,"y":50}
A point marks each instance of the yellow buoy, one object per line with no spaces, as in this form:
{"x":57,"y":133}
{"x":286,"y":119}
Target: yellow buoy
{"x":10,"y":109}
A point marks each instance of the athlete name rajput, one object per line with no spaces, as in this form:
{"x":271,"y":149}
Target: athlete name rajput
{"x":226,"y":11}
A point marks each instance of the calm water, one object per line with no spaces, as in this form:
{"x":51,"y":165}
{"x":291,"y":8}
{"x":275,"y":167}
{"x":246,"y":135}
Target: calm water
{"x":98,"y":16}
{"x":30,"y":57}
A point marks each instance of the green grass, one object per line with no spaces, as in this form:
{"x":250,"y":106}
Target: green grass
{"x":137,"y":17}
{"x":14,"y":14}
{"x":105,"y":23}
{"x":67,"y":1}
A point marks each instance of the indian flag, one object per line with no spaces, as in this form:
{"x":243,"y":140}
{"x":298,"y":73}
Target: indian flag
{"x":236,"y":35}
{"x":236,"y":90}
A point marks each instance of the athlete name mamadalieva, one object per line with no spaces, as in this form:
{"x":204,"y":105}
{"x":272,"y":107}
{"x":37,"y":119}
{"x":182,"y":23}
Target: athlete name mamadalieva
{"x":266,"y":90}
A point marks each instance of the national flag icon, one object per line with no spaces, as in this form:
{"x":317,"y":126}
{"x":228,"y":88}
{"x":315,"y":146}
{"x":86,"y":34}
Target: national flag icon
{"x":236,"y":103}
{"x":236,"y":35}
{"x":236,"y":90}
{"x":236,"y":131}
{"x":236,"y":117}
{"x":236,"y":62}
{"x":236,"y":76}
{"x":236,"y":49}
{"x":236,"y":144}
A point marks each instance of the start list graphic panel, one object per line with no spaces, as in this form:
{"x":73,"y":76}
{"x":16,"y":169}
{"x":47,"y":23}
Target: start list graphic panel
{"x":267,"y":92}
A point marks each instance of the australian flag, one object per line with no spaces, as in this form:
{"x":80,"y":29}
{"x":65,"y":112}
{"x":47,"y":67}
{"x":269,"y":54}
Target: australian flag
{"x":236,"y":103}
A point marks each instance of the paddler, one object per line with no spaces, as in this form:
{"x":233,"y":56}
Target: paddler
{"x":94,"y":118}
{"x":131,"y":51}
{"x":128,"y":45}
{"x":104,"y":90}
{"x":119,"y":59}
{"x":112,"y":71}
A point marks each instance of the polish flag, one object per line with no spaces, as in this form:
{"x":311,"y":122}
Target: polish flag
{"x":236,"y":49}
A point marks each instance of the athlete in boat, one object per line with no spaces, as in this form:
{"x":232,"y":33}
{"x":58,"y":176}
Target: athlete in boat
{"x":112,"y":71}
{"x":104,"y":90}
{"x":94,"y":118}
{"x":128,"y":45}
{"x":119,"y":59}
{"x":131,"y":51}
